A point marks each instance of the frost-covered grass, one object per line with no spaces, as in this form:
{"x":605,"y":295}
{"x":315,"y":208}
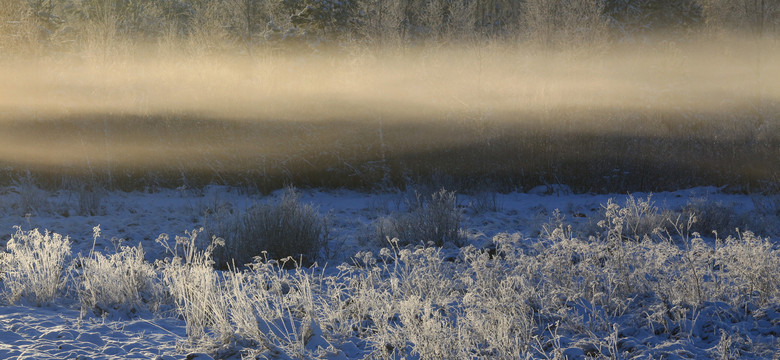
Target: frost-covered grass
{"x":638,"y":282}
{"x":35,"y":266}
{"x":121,"y":281}
{"x":426,"y":219}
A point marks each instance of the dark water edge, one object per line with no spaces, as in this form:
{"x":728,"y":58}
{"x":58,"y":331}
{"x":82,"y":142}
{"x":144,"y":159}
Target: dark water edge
{"x":511,"y":153}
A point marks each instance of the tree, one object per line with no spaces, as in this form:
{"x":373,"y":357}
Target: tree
{"x":382,"y":20}
{"x":757,"y":16}
{"x":328,"y":17}
{"x":554,"y":22}
{"x":639,"y":16}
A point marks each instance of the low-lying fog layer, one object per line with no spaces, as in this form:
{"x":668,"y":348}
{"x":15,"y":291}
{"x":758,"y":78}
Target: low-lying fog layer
{"x":494,"y":84}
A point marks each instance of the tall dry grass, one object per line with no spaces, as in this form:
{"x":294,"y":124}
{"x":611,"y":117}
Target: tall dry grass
{"x":562,"y":293}
{"x":35,"y":266}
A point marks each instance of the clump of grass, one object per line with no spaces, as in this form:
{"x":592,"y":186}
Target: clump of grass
{"x":485,"y":201}
{"x":434,"y":221}
{"x":635,"y":219}
{"x":766,"y":216}
{"x":35,"y":266}
{"x":748,"y":266}
{"x":32,"y":199}
{"x":710,"y":216}
{"x":120,"y":281}
{"x":280,"y":229}
{"x":90,"y":198}
{"x":195,"y":288}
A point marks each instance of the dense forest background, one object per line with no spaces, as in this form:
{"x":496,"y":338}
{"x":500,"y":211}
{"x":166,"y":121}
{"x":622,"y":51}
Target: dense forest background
{"x":245,"y":25}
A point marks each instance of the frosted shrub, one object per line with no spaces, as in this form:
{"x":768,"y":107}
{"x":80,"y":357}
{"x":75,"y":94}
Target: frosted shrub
{"x":710,"y":216}
{"x":35,"y":265}
{"x":241,"y":290}
{"x":404,"y":302}
{"x":284,"y":303}
{"x":661,"y":264}
{"x":589,"y":272}
{"x":521,"y":298}
{"x":565,"y":261}
{"x":507,"y":302}
{"x":486,"y":201}
{"x":748,"y":269}
{"x":284,"y":228}
{"x":694,"y":269}
{"x":255,"y":314}
{"x":478,"y":305}
{"x":435,"y":221}
{"x":694,"y":262}
{"x":766,"y":217}
{"x":500,"y":319}
{"x":373,"y":291}
{"x":90,"y":198}
{"x":196,"y":289}
{"x":121,"y":281}
{"x":423,"y":273}
{"x":428,"y":329}
{"x":362,"y":301}
{"x":31,"y":198}
{"x":272,"y":309}
{"x":439,"y":219}
{"x":638,"y":217}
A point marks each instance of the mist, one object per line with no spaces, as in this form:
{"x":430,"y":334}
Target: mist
{"x":176,"y":112}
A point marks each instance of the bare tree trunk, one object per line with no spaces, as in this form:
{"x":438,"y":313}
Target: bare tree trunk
{"x":249,"y":8}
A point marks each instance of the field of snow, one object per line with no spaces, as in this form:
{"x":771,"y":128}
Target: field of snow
{"x":528,"y":283}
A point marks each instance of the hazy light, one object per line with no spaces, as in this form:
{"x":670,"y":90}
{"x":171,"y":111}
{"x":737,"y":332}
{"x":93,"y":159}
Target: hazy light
{"x":491,"y":84}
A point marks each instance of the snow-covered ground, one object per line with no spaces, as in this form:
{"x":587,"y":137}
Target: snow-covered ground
{"x":61,"y":330}
{"x":140,"y":217}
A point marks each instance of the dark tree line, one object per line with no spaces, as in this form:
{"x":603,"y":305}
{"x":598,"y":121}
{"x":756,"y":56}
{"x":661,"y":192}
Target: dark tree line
{"x":253,"y":23}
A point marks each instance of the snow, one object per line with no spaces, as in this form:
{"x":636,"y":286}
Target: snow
{"x":61,"y":333}
{"x":61,"y":330}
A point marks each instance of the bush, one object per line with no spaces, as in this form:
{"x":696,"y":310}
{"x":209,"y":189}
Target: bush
{"x":637,"y":218}
{"x":748,"y":266}
{"x":90,"y":198}
{"x":485,"y":201}
{"x":710,"y":216}
{"x":281,"y":229}
{"x":32,"y":199}
{"x":765,"y":219}
{"x":435,"y":221}
{"x":34,"y":268}
{"x":196,"y":289}
{"x":121,"y":281}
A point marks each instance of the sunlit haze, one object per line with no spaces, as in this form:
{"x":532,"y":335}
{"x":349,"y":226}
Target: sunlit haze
{"x":77,"y":111}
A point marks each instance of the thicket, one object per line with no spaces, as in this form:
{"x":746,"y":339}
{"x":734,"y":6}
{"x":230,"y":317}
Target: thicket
{"x":280,"y":229}
{"x":219,"y":25}
{"x":426,"y":220}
